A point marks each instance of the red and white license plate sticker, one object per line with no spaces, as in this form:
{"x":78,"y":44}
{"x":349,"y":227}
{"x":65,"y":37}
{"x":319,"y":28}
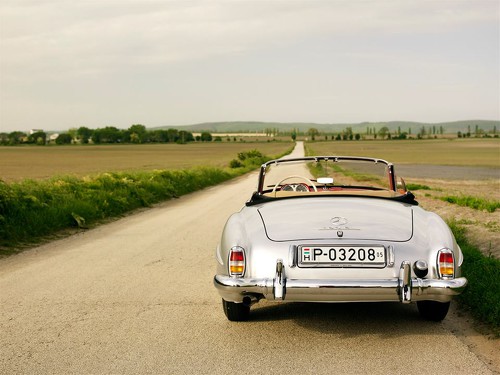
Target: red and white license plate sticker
{"x":342,"y":256}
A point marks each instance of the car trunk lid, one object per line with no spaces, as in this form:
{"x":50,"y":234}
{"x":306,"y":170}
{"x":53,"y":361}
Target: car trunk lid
{"x":337,"y":217}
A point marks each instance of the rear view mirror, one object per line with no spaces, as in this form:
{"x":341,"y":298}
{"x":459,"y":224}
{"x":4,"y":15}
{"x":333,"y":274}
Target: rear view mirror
{"x":325,"y":180}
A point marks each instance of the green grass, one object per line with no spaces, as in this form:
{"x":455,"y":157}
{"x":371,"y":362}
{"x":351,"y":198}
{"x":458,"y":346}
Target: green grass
{"x":32,"y":209}
{"x":472,"y":202}
{"x":482,"y":295}
{"x":413,"y":187}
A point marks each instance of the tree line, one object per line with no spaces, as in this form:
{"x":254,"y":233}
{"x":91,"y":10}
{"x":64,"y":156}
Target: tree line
{"x":385,"y":133}
{"x":107,"y":135}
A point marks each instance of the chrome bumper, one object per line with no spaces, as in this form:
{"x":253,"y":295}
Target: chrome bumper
{"x":404,"y":289}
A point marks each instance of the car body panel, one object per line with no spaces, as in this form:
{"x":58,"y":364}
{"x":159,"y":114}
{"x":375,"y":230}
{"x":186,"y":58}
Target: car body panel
{"x":317,"y":218}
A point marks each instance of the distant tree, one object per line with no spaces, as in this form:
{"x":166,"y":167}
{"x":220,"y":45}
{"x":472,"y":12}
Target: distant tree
{"x":218,"y":139}
{"x":158,"y":136}
{"x":206,"y":137}
{"x":138,"y":134}
{"x":313,"y":132}
{"x":357,"y":136}
{"x":134,"y":138}
{"x":16,"y":137}
{"x":84,"y":134}
{"x":72,"y":132}
{"x":185,"y":137}
{"x":173,"y":135}
{"x":294,"y":135}
{"x":459,"y":134}
{"x":4,"y":138}
{"x":109,"y":134}
{"x":383,"y":131}
{"x":64,"y":139}
{"x":39,"y":138}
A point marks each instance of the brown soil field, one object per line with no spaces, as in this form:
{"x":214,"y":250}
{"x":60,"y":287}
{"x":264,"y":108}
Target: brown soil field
{"x":39,"y":162}
{"x":480,"y":152}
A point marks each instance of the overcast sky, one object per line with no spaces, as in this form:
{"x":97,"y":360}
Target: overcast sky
{"x":96,"y":63}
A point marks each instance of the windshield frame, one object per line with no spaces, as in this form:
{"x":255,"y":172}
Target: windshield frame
{"x":334,"y":159}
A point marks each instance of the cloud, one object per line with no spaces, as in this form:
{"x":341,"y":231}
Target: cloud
{"x":106,"y":34}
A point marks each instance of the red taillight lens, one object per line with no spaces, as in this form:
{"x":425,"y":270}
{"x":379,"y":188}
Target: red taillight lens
{"x":446,"y":264}
{"x":236,"y":261}
{"x":237,"y":256}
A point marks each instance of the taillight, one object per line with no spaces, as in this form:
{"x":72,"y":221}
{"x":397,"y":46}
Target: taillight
{"x":236,"y":261}
{"x":446,"y":264}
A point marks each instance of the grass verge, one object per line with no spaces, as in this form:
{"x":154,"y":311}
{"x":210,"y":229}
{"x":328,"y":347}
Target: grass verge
{"x":413,"y":187}
{"x":473,"y":202}
{"x":31,"y":210}
{"x":482,"y":295}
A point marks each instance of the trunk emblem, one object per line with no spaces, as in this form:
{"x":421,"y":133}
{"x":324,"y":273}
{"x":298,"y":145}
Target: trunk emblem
{"x":338,"y":221}
{"x":339,"y":224}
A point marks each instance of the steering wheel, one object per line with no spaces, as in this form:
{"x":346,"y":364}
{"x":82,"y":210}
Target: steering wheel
{"x":309,"y":183}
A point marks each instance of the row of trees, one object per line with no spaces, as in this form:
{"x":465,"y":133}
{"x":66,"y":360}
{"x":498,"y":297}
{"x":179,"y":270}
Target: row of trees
{"x":385,"y":133}
{"x":109,"y":134}
{"x":139,"y":134}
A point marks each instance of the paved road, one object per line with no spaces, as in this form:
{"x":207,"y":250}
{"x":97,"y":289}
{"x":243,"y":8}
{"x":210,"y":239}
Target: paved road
{"x":136,"y":296}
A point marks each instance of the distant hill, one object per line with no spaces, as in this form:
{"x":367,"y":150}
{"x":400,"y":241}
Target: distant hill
{"x":404,"y":126}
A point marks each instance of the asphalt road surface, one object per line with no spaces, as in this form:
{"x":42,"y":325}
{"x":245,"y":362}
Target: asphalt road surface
{"x":136,"y":296}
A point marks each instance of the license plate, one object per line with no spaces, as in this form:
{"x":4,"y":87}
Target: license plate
{"x":342,"y":256}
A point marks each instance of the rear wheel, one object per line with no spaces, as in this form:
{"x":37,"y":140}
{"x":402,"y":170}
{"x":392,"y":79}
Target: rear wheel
{"x":433,"y":310}
{"x":236,"y":312}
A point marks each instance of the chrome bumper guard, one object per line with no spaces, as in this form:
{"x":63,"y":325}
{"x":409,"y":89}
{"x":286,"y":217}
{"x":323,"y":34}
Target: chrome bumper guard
{"x":404,"y":289}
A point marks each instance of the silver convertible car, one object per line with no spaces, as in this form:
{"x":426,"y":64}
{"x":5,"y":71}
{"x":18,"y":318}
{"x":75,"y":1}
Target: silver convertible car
{"x":336,"y":229}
